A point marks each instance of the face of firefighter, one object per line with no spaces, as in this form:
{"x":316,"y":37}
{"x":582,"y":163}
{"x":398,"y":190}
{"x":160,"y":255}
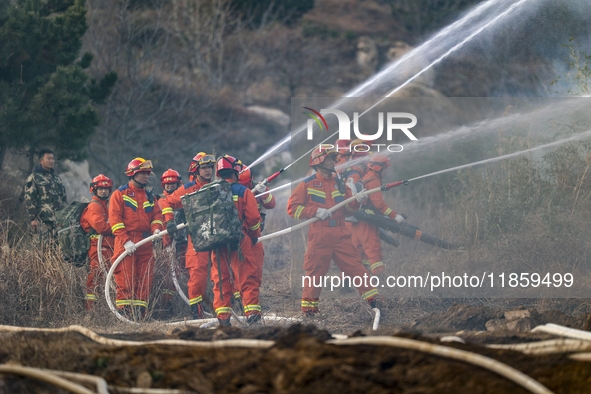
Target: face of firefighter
{"x":47,"y":161}
{"x":170,"y":187}
{"x":205,"y":172}
{"x":141,"y":179}
{"x":102,"y":192}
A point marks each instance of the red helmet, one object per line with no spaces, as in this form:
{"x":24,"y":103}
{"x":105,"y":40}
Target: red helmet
{"x":138,"y":165}
{"x":170,"y":176}
{"x":101,"y":181}
{"x":320,"y":153}
{"x":245,"y":177}
{"x":378,"y":162}
{"x":361,"y":152}
{"x":227,"y":162}
{"x":201,"y":159}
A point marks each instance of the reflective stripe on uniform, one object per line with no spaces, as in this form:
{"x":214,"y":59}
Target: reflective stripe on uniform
{"x":370,"y":294}
{"x":130,"y":202}
{"x":167,"y":210}
{"x":117,"y":226}
{"x":309,"y":304}
{"x":222,"y":310}
{"x":376,"y":265}
{"x":252,"y":308}
{"x":388,"y":211}
{"x":268,"y":199}
{"x":131,"y":302}
{"x":256,"y":226}
{"x":299,"y":211}
{"x":195,"y":300}
{"x":90,"y":297}
{"x":156,"y":222}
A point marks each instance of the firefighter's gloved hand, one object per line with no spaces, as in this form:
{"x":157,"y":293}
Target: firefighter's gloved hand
{"x":156,"y":232}
{"x":361,"y":196}
{"x":260,"y":188}
{"x":171,"y":227}
{"x":323,"y":213}
{"x":129,"y":247}
{"x":399,"y":218}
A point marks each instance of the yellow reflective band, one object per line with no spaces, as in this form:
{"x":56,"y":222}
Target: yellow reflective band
{"x":148,"y":204}
{"x":268,"y":199}
{"x":336,"y":193}
{"x":256,"y":226}
{"x":369,"y":294}
{"x":117,"y":226}
{"x":309,"y":304}
{"x":94,"y":236}
{"x":237,"y":294}
{"x":90,"y":297}
{"x":139,"y":303}
{"x":123,"y":302}
{"x":387,"y":211}
{"x":376,"y":265}
{"x":196,"y":300}
{"x":234,"y":198}
{"x":370,"y":211}
{"x":167,"y":211}
{"x":167,"y":291}
{"x":349,"y":209}
{"x":156,"y":222}
{"x":316,"y":192}
{"x":298,"y":211}
{"x":130,"y":200}
{"x":250,"y":308}
{"x":223,"y":309}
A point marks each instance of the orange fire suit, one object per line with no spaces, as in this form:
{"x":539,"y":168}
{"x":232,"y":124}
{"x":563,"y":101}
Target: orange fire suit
{"x":266,"y":201}
{"x":134,"y":215}
{"x":354,"y":174}
{"x":94,"y":221}
{"x":195,"y":262}
{"x":242,"y":263}
{"x":368,"y":234}
{"x":327,"y":239}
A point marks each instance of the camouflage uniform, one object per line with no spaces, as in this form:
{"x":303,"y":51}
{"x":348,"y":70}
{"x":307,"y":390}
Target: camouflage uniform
{"x":44,"y":195}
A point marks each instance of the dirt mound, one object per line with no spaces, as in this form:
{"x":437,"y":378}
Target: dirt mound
{"x":299,"y":362}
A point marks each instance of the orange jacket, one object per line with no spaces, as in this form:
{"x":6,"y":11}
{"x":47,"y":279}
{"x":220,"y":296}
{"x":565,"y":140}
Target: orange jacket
{"x":95,"y":217}
{"x":173,"y":201}
{"x":376,"y":202}
{"x":317,"y":192}
{"x":248,"y":210}
{"x":354,"y":172}
{"x":133,"y":210}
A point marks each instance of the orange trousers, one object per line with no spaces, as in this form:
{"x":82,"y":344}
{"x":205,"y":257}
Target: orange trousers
{"x":326,"y":244}
{"x":370,"y":245}
{"x":196,"y":263}
{"x":95,"y":276}
{"x":242,"y":265}
{"x":134,"y":274}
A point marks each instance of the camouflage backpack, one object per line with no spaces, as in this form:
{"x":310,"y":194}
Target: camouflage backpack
{"x":212,"y":217}
{"x":180,"y":236}
{"x":73,"y":240}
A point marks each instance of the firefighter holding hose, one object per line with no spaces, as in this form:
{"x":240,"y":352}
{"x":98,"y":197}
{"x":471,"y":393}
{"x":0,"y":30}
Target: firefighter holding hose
{"x":329,"y":238}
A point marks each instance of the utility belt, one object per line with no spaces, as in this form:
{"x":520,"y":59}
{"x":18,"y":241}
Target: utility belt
{"x":328,"y":223}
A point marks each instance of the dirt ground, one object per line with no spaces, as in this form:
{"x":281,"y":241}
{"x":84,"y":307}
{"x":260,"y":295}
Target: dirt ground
{"x":300,"y":361}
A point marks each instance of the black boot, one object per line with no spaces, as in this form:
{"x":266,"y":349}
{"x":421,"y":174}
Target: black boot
{"x":224,"y":322}
{"x":197,"y":311}
{"x":253,"y":319}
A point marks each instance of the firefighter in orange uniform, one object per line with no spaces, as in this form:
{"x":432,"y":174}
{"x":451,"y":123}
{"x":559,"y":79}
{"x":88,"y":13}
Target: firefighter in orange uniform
{"x":368,"y":234}
{"x":133,"y":216}
{"x":266,"y":201}
{"x":170,"y":181}
{"x":94,"y":221}
{"x":201,"y":172}
{"x":242,"y":261}
{"x":328,"y":238}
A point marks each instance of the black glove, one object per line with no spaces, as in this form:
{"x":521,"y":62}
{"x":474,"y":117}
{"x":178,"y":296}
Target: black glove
{"x":171,"y":227}
{"x":254,"y":241}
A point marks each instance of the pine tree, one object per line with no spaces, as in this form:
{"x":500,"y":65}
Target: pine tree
{"x":46,"y":98}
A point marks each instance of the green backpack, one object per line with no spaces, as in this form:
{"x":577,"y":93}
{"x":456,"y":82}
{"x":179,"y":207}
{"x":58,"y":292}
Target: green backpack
{"x":73,"y":240}
{"x":212,"y":217}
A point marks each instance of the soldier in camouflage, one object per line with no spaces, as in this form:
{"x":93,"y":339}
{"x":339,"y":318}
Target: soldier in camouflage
{"x":44,"y":195}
